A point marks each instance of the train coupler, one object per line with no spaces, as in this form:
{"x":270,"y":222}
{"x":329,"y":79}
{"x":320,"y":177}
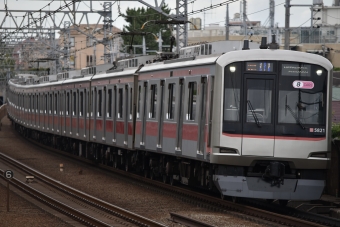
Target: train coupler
{"x":274,"y":173}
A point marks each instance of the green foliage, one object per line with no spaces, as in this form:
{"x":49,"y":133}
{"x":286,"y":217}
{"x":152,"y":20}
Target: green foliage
{"x":136,"y":18}
{"x":336,"y":69}
{"x":335,"y":130}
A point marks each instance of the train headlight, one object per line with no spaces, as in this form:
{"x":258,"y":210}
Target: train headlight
{"x":319,"y":72}
{"x":232,"y":69}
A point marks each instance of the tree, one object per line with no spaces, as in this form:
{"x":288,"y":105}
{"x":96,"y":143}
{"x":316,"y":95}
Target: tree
{"x":136,"y":18}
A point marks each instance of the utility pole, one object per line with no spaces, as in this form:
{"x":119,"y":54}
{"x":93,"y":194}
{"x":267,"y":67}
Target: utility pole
{"x":287,"y":30}
{"x":271,"y":18}
{"x":227,"y":23}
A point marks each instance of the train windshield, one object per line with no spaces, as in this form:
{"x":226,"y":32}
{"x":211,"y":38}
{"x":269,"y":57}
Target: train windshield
{"x":287,"y":98}
{"x":302,"y":94}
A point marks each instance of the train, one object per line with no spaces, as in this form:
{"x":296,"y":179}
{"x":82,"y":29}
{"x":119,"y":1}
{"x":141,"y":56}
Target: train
{"x":234,"y":117}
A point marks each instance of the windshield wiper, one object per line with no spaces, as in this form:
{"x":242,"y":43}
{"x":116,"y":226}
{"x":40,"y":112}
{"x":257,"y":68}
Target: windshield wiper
{"x":254,"y":114}
{"x":295,"y":117}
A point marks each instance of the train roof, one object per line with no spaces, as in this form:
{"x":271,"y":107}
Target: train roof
{"x":265,"y":54}
{"x":204,"y":60}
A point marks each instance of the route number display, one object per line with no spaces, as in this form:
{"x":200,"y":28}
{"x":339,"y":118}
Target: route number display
{"x":8,"y":174}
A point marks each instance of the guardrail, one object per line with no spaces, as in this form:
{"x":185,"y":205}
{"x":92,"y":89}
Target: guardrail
{"x":3,"y":113}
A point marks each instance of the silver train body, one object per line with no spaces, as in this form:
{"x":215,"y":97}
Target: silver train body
{"x":249,"y":123}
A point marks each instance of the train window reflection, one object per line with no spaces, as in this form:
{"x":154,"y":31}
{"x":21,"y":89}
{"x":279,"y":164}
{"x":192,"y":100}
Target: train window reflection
{"x":259,"y":97}
{"x":109,"y":108}
{"x":81,"y":104}
{"x":153,"y":101}
{"x":139,"y":98}
{"x":303,"y":105}
{"x":120,"y":103}
{"x":171,"y":101}
{"x":192,"y":101}
{"x":100,"y":103}
{"x":67,"y":103}
{"x":55,"y":103}
{"x":130,"y":112}
{"x":74,"y":113}
{"x":232,"y":85}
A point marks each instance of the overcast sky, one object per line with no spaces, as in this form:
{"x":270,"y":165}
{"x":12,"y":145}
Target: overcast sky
{"x":299,"y":15}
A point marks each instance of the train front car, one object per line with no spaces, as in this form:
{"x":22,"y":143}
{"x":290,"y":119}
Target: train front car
{"x":272,"y":126}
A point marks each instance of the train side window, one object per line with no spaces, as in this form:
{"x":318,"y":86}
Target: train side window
{"x":74,"y":109}
{"x":55,"y":103}
{"x":37,"y":104}
{"x":171,"y":101}
{"x":87,"y":107}
{"x":191,"y":114}
{"x":99,"y":106}
{"x":33,"y":103}
{"x":50,"y":105}
{"x":109,"y":104}
{"x":130,"y":112}
{"x":232,"y":87}
{"x":45,"y":103}
{"x":81,"y":103}
{"x":139,"y":99}
{"x":120,"y":103}
{"x":92,"y":103}
{"x":67,"y":103}
{"x":153,"y":101}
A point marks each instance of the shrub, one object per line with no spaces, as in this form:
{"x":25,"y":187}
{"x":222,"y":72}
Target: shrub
{"x":335,"y":130}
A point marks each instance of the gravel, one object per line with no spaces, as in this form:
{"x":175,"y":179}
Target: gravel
{"x":106,"y":186}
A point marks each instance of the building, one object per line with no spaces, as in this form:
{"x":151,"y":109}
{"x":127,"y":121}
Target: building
{"x":83,"y":50}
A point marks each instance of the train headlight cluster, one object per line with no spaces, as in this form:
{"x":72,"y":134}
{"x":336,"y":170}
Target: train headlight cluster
{"x":232,"y":69}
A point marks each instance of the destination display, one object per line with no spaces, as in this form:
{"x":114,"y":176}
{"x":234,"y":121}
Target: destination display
{"x":295,"y":69}
{"x":259,"y":67}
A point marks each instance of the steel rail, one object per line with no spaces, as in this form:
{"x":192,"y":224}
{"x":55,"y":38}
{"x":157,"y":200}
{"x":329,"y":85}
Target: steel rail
{"x":61,"y":207}
{"x":110,"y":208}
{"x":188,"y":221}
{"x":240,"y":208}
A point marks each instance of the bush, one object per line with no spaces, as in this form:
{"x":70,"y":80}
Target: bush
{"x":335,"y":130}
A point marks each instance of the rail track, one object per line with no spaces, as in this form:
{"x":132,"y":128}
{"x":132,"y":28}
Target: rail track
{"x":274,"y":214}
{"x":99,"y":210}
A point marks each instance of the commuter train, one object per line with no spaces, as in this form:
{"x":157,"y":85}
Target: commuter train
{"x":245,"y":122}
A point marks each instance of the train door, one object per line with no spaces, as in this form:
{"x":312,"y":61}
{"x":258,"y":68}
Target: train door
{"x":92,"y":114}
{"x":82,"y":115}
{"x":56,"y":110}
{"x":170,"y":118}
{"x":191,"y":121}
{"x":36,"y":122}
{"x":68,"y":102}
{"x":99,"y":114}
{"x":41,"y":111}
{"x":121,"y":121}
{"x":153,"y":111}
{"x":46,"y":111}
{"x":62,"y":108}
{"x":258,"y":117}
{"x":50,"y":111}
{"x":142,"y":91}
{"x":74,"y":114}
{"x":109,"y":115}
{"x":129,"y":135}
{"x":179,"y":116}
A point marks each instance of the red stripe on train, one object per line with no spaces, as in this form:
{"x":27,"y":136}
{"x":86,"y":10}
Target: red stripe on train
{"x":151,"y":128}
{"x":275,"y":137}
{"x":120,"y":127}
{"x":190,"y":132}
{"x":169,"y":130}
